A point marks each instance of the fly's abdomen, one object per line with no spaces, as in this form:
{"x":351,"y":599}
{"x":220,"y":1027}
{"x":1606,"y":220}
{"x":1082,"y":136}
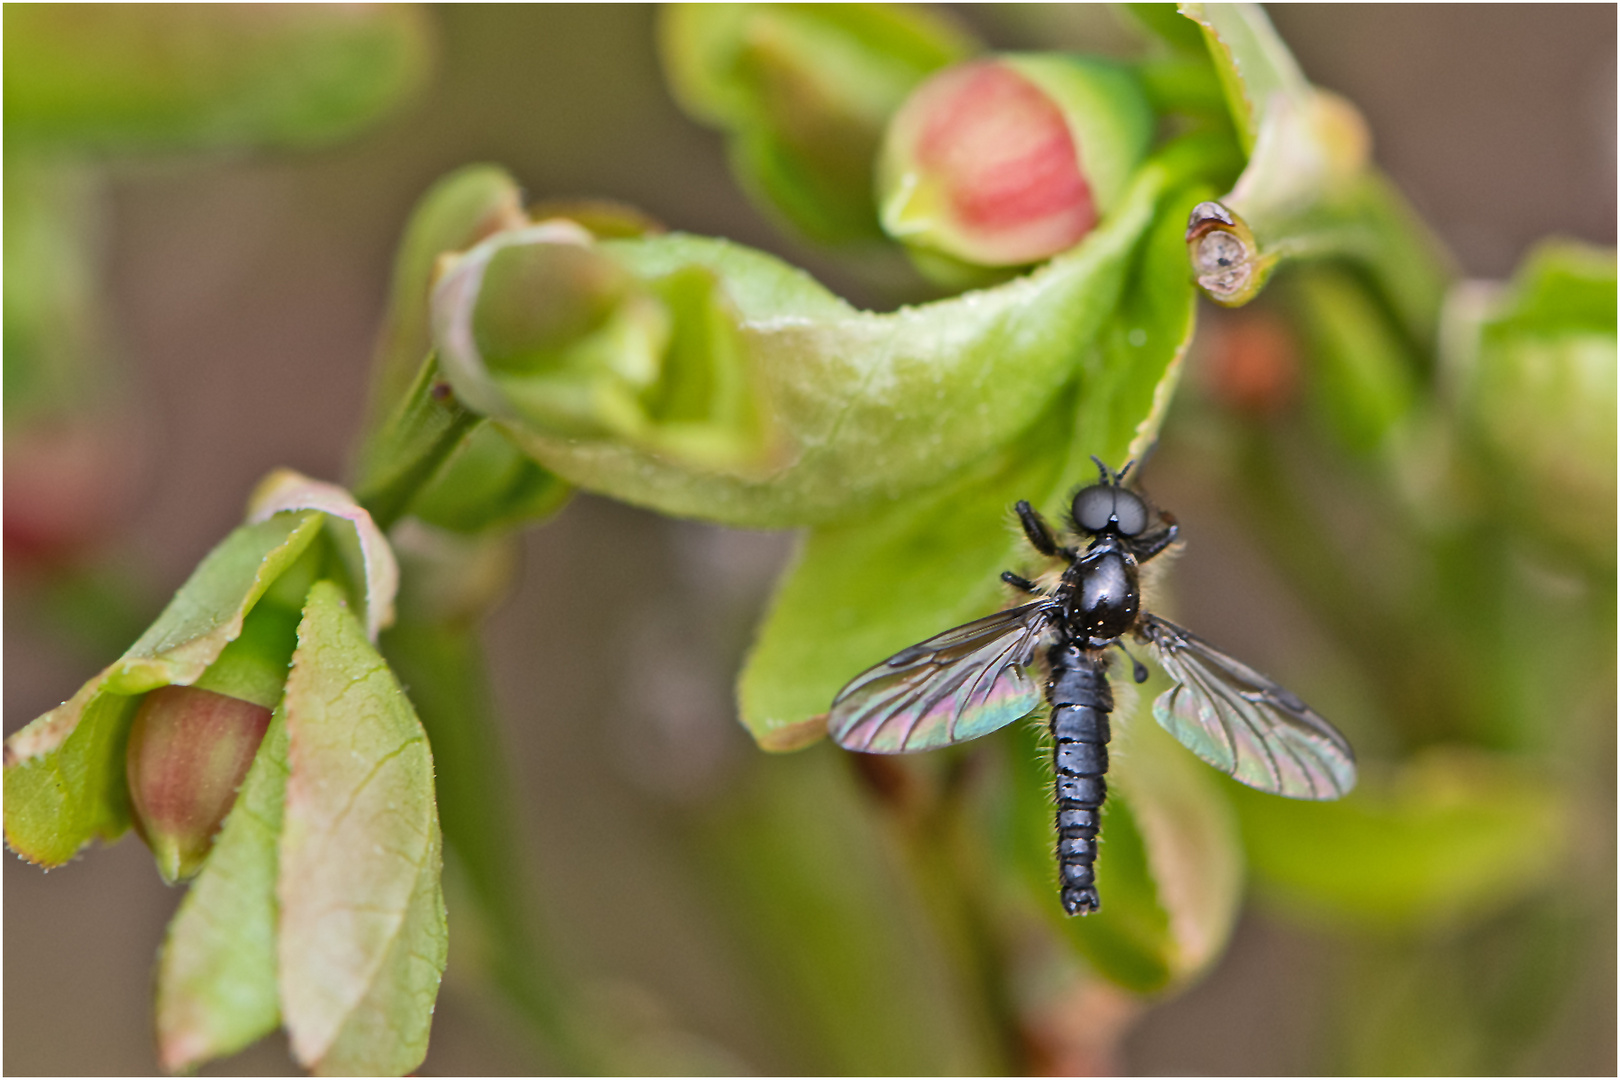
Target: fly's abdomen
{"x":1081,"y":702}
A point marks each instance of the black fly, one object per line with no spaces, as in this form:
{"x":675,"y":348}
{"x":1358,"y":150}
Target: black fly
{"x":973,"y":680}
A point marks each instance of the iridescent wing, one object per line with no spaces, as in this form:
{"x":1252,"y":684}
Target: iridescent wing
{"x":1243,"y":723}
{"x":951,"y":688}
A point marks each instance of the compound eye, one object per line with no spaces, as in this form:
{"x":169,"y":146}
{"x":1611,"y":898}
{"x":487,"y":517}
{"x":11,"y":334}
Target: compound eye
{"x":1131,"y":513}
{"x":1093,"y":507}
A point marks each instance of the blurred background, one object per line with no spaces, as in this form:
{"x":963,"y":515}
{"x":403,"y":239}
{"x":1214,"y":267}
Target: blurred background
{"x":243,"y":289}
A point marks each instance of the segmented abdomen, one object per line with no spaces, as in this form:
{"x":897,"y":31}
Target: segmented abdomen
{"x":1081,"y":702}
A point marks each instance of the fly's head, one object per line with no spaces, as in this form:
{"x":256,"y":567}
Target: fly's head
{"x":1114,"y":516}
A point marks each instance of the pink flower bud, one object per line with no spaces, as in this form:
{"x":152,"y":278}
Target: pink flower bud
{"x":1009,"y":161}
{"x":189,"y":751}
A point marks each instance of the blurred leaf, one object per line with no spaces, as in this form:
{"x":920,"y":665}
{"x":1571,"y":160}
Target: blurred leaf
{"x":64,"y":779}
{"x":216,"y":980}
{"x":871,"y":406}
{"x":1533,"y":371}
{"x":1170,"y":26}
{"x":1451,"y":838}
{"x":1361,"y":377}
{"x":855,"y":971}
{"x":455,"y":213}
{"x":362,"y":924}
{"x":1127,"y":941}
{"x":803,"y":92}
{"x":488,"y":483}
{"x":1190,"y":838}
{"x":56,"y":352}
{"x":137,"y":77}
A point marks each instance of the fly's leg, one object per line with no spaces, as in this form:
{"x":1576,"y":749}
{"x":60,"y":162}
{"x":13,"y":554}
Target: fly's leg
{"x":1139,"y":671}
{"x":1021,"y":583}
{"x":1038,"y":531}
{"x":1081,"y":702}
{"x":1145,"y":547}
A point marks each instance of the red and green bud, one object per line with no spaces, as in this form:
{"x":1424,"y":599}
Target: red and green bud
{"x":1009,"y":161}
{"x":188,"y":752}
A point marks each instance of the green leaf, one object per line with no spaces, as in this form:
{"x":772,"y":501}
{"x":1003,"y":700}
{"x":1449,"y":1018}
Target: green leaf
{"x":1188,"y":834}
{"x":1451,"y":837}
{"x":216,"y":980}
{"x":362,"y":925}
{"x":870,"y":407}
{"x":1534,"y":378}
{"x":135,"y":77}
{"x":1308,"y":190}
{"x":1362,"y":376}
{"x":1254,"y":64}
{"x":57,"y":354}
{"x":64,"y":774}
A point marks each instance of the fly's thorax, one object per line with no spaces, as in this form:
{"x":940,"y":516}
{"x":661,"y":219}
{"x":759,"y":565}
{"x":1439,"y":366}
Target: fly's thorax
{"x":1105,"y":596}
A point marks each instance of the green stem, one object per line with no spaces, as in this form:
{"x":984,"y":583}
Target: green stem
{"x":401,"y":455}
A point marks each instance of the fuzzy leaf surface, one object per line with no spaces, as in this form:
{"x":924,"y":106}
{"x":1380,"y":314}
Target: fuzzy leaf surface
{"x":362,"y":939}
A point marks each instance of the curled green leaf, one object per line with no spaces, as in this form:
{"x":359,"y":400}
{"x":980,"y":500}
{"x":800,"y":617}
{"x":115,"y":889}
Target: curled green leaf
{"x":1308,"y":188}
{"x":541,"y":327}
{"x":365,"y":551}
{"x":64,"y":773}
{"x":867,"y":407}
{"x":361,"y":945}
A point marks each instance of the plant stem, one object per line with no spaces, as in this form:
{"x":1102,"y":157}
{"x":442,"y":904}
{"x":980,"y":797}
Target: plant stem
{"x":402,"y":455}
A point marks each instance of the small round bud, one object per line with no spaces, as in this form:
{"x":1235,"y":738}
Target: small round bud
{"x":1006,"y":162}
{"x":188,"y":752}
